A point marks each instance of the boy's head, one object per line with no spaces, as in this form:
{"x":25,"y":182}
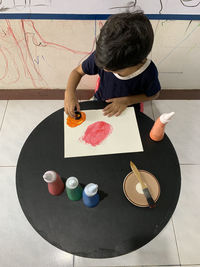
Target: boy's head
{"x":125,"y":40}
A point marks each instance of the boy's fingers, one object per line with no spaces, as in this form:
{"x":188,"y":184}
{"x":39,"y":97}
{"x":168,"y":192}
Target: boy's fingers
{"x":71,"y":112}
{"x":107,"y":107}
{"x":118,"y":113}
{"x":66,"y":111}
{"x":78,"y":107}
{"x":111,"y":113}
{"x":111,"y":110}
{"x":108,"y":110}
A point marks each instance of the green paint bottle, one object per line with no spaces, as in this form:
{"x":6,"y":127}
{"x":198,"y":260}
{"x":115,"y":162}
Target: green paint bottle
{"x":73,"y":189}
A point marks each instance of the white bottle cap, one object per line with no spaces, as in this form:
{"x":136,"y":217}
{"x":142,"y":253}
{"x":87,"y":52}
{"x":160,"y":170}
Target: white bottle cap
{"x":49,"y":176}
{"x":91,"y":189}
{"x":72,"y":182}
{"x":166,"y":117}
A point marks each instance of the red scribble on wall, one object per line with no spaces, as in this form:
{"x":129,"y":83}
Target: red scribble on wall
{"x":100,"y":24}
{"x":45,"y":43}
{"x":21,"y":52}
{"x":6,"y":64}
{"x":22,"y":40}
{"x":97,"y":132}
{"x":15,"y":74}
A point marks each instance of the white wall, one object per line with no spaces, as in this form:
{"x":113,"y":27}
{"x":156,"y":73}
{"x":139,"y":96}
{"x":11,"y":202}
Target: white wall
{"x":99,"y":7}
{"x":42,"y":53}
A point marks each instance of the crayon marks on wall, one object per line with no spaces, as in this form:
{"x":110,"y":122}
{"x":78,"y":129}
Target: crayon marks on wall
{"x":100,"y":7}
{"x":38,"y":54}
{"x":29,"y":50}
{"x":5,"y":5}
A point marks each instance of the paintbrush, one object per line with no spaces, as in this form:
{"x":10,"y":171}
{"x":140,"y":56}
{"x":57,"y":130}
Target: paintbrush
{"x":145,"y":189}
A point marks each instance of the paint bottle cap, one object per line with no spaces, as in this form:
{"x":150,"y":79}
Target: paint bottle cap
{"x":91,"y":189}
{"x":49,"y":176}
{"x":72,"y":182}
{"x":166,"y":117}
{"x":77,"y":115}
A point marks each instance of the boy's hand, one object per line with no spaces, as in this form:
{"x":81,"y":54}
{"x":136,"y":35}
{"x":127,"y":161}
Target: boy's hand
{"x":116,"y":107}
{"x":71,"y":102}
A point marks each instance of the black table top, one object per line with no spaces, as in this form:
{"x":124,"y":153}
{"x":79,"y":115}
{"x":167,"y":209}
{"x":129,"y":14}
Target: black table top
{"x":113,"y":228}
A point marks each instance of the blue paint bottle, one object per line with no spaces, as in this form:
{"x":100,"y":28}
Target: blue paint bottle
{"x":90,"y":195}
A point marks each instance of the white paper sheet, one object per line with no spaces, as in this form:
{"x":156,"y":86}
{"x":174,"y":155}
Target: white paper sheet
{"x":125,"y":136}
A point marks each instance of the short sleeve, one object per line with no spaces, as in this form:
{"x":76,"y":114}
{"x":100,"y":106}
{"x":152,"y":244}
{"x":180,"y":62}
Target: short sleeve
{"x":89,"y":67}
{"x":152,"y":84}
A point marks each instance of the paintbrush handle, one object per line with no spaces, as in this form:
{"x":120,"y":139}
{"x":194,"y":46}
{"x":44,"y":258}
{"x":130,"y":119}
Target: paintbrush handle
{"x":137,"y":174}
{"x":145,"y":189}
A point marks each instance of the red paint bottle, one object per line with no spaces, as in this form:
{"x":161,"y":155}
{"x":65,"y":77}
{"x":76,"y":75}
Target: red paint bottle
{"x":55,"y":183}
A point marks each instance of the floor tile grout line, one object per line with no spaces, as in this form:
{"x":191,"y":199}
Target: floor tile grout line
{"x":4,"y":115}
{"x":192,"y":164}
{"x":8,"y":166}
{"x":176,"y":241}
{"x":189,"y":265}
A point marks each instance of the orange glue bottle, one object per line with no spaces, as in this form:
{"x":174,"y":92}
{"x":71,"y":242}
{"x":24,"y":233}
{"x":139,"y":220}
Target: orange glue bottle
{"x":158,"y":130}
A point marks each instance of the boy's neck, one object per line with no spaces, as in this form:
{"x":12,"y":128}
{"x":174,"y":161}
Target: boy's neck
{"x":130,"y":70}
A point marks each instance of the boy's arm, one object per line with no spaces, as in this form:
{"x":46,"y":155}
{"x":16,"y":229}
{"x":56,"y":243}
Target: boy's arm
{"x":71,"y":100}
{"x":118,"y":105}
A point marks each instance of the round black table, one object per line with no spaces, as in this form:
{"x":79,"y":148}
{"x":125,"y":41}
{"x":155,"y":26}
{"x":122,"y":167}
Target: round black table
{"x":115,"y":227}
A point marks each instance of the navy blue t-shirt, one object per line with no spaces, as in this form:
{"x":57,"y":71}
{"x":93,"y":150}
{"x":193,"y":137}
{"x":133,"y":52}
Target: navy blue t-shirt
{"x":143,"y":81}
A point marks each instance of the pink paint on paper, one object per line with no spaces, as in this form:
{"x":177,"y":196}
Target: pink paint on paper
{"x":97,"y":132}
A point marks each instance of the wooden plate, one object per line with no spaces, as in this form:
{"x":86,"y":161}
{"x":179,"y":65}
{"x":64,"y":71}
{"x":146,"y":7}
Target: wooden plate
{"x":133,"y":190}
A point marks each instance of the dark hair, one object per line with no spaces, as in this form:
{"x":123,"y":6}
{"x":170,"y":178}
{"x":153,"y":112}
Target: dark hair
{"x":125,"y":40}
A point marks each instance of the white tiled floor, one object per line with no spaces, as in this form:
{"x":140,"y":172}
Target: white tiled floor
{"x":178,"y":244}
{"x":3,"y":104}
{"x":20,"y":119}
{"x":184,"y":130}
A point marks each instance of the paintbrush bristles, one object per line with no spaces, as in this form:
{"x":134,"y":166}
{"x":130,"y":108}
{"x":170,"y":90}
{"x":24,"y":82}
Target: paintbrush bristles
{"x":149,"y":198}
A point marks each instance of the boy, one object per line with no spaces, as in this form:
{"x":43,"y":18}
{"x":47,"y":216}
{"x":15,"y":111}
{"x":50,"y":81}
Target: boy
{"x":127,"y":77}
